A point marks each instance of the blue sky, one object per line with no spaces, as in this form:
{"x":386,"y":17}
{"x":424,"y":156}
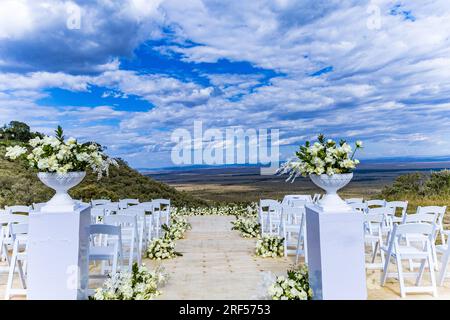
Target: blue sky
{"x":136,"y":70}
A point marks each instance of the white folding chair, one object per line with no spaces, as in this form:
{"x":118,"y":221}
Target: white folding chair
{"x":97,"y":202}
{"x":400,"y":252}
{"x":444,"y":250}
{"x":19,"y":232}
{"x":6,"y":240}
{"x":376,"y":203}
{"x":129,"y":233}
{"x":302,"y":243}
{"x":438,"y":213}
{"x":143,"y":236}
{"x":373,"y":224}
{"x":263,"y":212}
{"x":147,"y":208}
{"x":163,"y":206}
{"x":109,"y":249}
{"x":290,"y":221}
{"x":354,"y":200}
{"x":274,"y":219}
{"x":18,"y":209}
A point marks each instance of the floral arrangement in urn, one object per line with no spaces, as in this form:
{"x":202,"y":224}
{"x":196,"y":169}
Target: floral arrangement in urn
{"x":61,"y":164}
{"x":329,"y":165}
{"x":324,"y":156}
{"x":55,"y":154}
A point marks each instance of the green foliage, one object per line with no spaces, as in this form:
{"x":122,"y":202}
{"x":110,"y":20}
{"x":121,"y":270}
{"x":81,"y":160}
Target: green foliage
{"x":436,"y":184}
{"x":17,"y":131}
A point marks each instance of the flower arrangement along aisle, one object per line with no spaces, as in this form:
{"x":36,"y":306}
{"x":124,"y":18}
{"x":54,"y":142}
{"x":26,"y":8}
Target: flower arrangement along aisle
{"x":248,"y":227}
{"x":293,"y":287}
{"x":161,"y":249}
{"x":61,"y":164}
{"x":329,"y":165}
{"x":270,"y":246}
{"x":233,"y":209}
{"x":177,"y":228}
{"x":139,"y":284}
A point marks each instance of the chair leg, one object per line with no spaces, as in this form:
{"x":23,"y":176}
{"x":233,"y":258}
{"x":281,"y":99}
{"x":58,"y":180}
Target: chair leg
{"x":421,"y":271}
{"x":443,"y":271}
{"x":12,"y":268}
{"x":432,"y":274}
{"x":400,"y":276}
{"x":385,"y":271}
{"x":21,"y":274}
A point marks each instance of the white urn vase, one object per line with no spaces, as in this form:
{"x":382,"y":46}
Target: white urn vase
{"x":61,"y":183}
{"x":331,"y":202}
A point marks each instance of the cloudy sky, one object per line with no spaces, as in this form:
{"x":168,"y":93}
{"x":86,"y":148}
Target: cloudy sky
{"x":130,"y":72}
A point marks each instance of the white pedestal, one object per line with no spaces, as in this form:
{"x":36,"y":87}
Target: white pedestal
{"x":336,"y":259}
{"x":58,"y":245}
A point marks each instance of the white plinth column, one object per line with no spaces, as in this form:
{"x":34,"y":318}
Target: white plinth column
{"x":336,"y":259}
{"x":58,"y":246}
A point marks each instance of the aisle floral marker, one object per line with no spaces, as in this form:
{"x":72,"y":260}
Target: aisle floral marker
{"x":270,"y":246}
{"x":139,"y":284}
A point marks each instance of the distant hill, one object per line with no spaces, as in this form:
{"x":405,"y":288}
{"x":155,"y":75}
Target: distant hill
{"x":20,"y":185}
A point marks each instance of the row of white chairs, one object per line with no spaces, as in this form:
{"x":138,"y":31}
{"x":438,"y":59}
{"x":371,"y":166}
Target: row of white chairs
{"x":410,"y":237}
{"x":287,"y":219}
{"x":119,"y":234}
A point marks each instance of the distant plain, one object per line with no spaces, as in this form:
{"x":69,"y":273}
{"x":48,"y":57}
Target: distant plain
{"x":236,"y":184}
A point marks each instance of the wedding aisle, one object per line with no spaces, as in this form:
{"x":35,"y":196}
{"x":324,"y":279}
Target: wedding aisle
{"x":217,"y":263}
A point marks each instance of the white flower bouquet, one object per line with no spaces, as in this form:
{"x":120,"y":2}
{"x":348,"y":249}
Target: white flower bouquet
{"x":324,"y":156}
{"x":161,"y":249}
{"x":139,"y":284}
{"x":248,"y":227}
{"x":177,"y":228}
{"x":55,"y":154}
{"x":293,"y":287}
{"x":270,"y":246}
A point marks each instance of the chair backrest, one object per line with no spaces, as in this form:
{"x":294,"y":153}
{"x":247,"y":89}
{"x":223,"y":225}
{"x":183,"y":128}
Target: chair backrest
{"x":374,"y":217}
{"x":13,"y":218}
{"x":376,"y":202}
{"x":124,"y":203}
{"x":420,"y":217}
{"x":359,"y":206}
{"x":18,"y":209}
{"x":96,"y":202}
{"x":266,"y":203}
{"x":161,"y":204}
{"x":38,"y":206}
{"x":414,"y":228}
{"x":290,"y":197}
{"x":297,"y":203}
{"x":105,"y":229}
{"x":403,"y":205}
{"x":381,"y":210}
{"x":18,"y":228}
{"x":316,"y":197}
{"x":431,"y":210}
{"x":354,"y":200}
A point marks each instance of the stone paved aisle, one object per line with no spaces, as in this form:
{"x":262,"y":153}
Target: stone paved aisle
{"x":216,"y":264}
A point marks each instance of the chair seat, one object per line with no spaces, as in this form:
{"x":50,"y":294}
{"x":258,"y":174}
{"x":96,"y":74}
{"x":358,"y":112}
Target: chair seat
{"x":101,"y":253}
{"x":412,"y":252}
